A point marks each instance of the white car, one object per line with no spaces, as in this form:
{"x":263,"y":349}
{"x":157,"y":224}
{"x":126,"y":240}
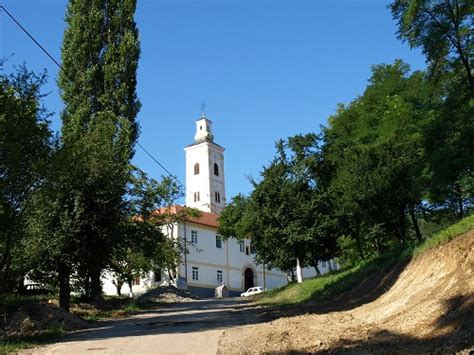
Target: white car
{"x":252,"y":291}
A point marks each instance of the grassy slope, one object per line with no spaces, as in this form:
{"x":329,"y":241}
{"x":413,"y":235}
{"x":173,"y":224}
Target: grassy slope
{"x":322,"y":288}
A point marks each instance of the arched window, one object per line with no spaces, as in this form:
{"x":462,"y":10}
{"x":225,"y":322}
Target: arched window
{"x":196,"y":169}
{"x":216,"y":169}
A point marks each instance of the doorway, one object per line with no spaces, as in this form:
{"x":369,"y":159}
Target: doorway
{"x":248,"y":279}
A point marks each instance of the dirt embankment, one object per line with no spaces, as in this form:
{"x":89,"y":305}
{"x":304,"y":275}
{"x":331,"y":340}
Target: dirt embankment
{"x":34,"y":318}
{"x":428,"y":306}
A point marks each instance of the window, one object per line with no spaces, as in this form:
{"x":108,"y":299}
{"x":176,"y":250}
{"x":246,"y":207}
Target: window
{"x":218,"y":241}
{"x":217,"y":196}
{"x":195,"y":273}
{"x":242,"y":247}
{"x":252,"y":248}
{"x":216,"y":170}
{"x":136,"y":280}
{"x":194,"y":237}
{"x":219,"y":277}
{"x":197,"y":197}
{"x":196,"y":169}
{"x":157,"y":275}
{"x":323,"y":263}
{"x":247,"y":250}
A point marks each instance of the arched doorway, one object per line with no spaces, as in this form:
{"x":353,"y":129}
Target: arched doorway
{"x":248,"y":278}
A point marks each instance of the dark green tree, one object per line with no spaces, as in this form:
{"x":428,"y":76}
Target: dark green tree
{"x":144,"y":246}
{"x":25,"y":146}
{"x":443,"y":29}
{"x":376,"y":149}
{"x":286,"y":216}
{"x":98,"y":86}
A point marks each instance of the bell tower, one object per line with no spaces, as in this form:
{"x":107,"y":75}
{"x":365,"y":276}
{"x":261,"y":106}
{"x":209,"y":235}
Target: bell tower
{"x":205,"y":183}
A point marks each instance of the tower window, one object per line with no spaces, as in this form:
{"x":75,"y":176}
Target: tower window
{"x":197,"y":197}
{"x":217,"y":196}
{"x":196,"y":169}
{"x":216,"y":170}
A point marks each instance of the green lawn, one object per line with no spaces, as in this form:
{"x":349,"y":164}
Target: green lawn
{"x":322,"y":288}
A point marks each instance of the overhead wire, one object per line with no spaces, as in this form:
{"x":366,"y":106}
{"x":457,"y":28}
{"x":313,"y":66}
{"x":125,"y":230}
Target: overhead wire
{"x":60,"y":67}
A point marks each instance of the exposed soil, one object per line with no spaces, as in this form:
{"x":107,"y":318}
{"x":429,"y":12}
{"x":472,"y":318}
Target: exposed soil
{"x":34,"y":318}
{"x":424,"y":306}
{"x":166,"y":294}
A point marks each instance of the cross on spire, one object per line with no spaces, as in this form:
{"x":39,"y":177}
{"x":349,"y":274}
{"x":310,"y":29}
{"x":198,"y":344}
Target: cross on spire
{"x":203,"y":109}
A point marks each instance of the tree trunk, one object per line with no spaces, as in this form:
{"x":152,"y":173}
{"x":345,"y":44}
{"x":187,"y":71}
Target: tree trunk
{"x":299,"y":271}
{"x":96,"y":286}
{"x":130,"y":286}
{"x":118,"y":285}
{"x":318,"y":273}
{"x":414,"y":221}
{"x":64,"y":286}
{"x":292,"y":275}
{"x":21,"y":284}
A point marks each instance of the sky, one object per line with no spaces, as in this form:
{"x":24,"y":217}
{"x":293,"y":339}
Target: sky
{"x":266,"y":69}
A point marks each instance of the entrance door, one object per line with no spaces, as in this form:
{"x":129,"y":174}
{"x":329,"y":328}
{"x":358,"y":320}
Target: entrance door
{"x":248,"y":276}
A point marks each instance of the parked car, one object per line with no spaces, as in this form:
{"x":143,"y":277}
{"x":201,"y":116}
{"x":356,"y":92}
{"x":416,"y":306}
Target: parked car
{"x":252,"y":291}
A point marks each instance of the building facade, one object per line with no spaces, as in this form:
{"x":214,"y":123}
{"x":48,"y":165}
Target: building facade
{"x":208,"y":260}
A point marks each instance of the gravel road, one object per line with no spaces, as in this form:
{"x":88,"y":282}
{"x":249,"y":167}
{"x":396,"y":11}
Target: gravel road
{"x":189,"y":327}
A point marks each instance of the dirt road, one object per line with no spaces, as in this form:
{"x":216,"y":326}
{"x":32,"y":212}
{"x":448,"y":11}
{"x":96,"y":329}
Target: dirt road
{"x":425,"y":305}
{"x":190,"y":327}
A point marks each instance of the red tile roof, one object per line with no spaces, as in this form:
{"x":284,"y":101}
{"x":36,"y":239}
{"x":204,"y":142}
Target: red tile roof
{"x":205,"y":218}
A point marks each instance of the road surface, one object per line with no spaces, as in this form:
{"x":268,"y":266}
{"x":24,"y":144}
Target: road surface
{"x":189,"y":327}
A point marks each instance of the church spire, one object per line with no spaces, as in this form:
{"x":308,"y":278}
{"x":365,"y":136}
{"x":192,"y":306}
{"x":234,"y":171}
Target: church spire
{"x":203,"y":127}
{"x":203,"y":110}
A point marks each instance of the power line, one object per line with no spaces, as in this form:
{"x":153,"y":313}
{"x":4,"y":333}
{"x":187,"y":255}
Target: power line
{"x":31,"y":37}
{"x":161,"y":165}
{"x":60,"y":67}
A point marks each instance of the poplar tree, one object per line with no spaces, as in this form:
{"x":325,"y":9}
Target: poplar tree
{"x":97,"y":82}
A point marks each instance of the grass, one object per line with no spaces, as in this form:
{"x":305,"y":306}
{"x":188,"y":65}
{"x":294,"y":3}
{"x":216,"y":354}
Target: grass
{"x":447,"y":234}
{"x":322,"y":288}
{"x":14,"y":344}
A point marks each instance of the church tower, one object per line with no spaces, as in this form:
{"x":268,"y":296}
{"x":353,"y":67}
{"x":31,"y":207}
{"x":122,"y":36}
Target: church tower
{"x":205,"y":183}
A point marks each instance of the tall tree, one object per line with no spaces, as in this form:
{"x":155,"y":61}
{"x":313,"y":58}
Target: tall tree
{"x":376,"y":147}
{"x":98,"y":86}
{"x":443,"y":30}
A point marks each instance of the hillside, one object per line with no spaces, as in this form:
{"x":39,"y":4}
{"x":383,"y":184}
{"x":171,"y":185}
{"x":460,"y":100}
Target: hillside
{"x":425,"y":304}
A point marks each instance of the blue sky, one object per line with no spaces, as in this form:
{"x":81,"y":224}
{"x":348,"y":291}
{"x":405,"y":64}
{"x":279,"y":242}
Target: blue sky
{"x":266,"y":69}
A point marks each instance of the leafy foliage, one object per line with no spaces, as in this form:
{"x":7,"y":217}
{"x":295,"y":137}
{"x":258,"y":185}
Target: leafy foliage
{"x":25,"y":146}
